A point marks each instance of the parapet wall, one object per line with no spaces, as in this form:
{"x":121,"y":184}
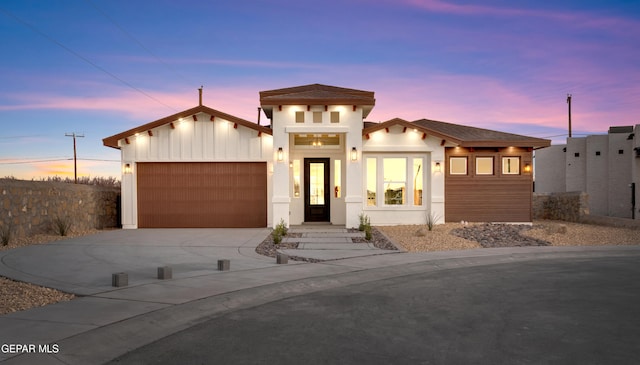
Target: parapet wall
{"x":31,"y":207}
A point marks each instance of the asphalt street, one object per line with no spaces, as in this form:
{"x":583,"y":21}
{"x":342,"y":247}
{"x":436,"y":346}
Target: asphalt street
{"x":542,"y":311}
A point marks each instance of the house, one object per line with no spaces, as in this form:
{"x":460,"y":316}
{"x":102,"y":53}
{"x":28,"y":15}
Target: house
{"x":319,"y":161}
{"x":606,"y":167}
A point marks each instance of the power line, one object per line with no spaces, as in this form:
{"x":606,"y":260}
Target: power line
{"x":30,"y":161}
{"x":58,"y":43}
{"x":136,"y":40}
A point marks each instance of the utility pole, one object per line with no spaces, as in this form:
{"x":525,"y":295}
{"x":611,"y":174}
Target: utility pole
{"x":75,"y":159}
{"x":569,"y":102}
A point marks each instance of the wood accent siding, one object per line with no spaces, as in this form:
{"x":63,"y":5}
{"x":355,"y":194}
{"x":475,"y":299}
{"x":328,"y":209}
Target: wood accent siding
{"x":495,"y":198}
{"x":202,"y":194}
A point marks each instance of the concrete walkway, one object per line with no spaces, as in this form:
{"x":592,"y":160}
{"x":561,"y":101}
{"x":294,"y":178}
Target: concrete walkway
{"x":329,"y":242}
{"x":105,"y":322}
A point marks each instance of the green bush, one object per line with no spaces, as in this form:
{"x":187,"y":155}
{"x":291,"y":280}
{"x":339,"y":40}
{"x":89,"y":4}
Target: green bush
{"x":279,"y":231}
{"x":367,"y":232}
{"x":364,"y":221}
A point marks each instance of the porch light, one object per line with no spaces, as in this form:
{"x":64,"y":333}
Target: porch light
{"x":527,"y":167}
{"x":280,"y":154}
{"x":354,"y":154}
{"x":438,"y":167}
{"x":127,"y":168}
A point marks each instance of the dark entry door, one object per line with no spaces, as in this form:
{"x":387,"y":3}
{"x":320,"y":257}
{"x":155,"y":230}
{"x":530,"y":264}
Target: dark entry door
{"x":316,"y":189}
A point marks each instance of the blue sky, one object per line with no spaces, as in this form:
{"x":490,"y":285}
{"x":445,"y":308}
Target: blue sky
{"x":100,"y":67}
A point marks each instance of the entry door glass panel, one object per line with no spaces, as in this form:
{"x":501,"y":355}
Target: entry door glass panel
{"x":316,"y":183}
{"x":316,"y":190}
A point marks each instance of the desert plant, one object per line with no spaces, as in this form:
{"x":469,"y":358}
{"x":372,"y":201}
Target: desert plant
{"x":61,"y":225}
{"x":281,"y":228}
{"x":367,"y":232}
{"x":431,"y":220}
{"x":277,"y":237}
{"x":5,"y":234}
{"x":364,"y":221}
{"x":279,"y":231}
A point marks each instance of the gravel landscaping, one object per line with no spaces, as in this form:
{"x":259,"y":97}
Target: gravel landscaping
{"x":17,"y":296}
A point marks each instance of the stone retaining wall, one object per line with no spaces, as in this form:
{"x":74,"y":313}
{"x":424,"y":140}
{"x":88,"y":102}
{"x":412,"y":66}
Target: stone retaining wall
{"x":570,"y":206}
{"x":31,"y":207}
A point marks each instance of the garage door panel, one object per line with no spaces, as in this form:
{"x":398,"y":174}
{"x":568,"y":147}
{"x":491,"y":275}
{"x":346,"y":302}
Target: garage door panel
{"x":202,"y":194}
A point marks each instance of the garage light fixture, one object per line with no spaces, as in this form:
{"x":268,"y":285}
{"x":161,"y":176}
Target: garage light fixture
{"x":438,"y":167}
{"x":354,"y":154}
{"x":127,"y":168}
{"x":527,"y":167}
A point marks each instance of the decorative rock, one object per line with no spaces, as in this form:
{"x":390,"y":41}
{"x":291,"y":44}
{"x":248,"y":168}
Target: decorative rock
{"x":421,"y":232}
{"x":557,"y":229}
{"x":224,"y":265}
{"x":120,"y":279}
{"x":282,"y":258}
{"x":165,"y":272}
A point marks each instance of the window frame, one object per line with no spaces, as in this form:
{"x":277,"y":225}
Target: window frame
{"x":379,"y":202}
{"x":506,"y":158}
{"x":466,"y":165}
{"x":478,"y":159}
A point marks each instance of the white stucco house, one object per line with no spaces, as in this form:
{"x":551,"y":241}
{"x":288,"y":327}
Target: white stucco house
{"x":606,"y":167}
{"x":318,"y":161}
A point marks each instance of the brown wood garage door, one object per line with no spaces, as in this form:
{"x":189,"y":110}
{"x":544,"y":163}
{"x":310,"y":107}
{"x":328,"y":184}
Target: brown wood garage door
{"x":202,"y":194}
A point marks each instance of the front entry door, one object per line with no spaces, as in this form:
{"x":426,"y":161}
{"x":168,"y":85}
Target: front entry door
{"x":316,"y":190}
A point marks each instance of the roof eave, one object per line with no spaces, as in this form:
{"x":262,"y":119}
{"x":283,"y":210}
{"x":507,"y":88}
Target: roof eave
{"x":112,"y":141}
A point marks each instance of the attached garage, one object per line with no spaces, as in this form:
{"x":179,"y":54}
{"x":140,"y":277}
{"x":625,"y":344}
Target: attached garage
{"x":202,"y":194}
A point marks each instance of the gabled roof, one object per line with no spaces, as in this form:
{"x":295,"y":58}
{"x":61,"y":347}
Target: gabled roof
{"x":316,"y":94}
{"x":467,"y":136}
{"x":113,"y":140}
{"x":373,"y":127}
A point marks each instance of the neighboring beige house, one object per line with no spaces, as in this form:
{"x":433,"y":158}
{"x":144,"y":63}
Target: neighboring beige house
{"x":606,"y":167}
{"x":319,"y":161}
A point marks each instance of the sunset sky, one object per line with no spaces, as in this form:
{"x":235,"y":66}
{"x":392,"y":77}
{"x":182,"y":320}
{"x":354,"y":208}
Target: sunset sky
{"x":99,"y":67}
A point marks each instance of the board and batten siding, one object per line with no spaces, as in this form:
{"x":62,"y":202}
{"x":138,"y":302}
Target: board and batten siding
{"x":201,"y":140}
{"x":489,"y":198}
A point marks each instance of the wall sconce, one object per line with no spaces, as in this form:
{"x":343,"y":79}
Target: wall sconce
{"x":127,"y":168}
{"x":354,"y":154}
{"x":527,"y":167}
{"x":438,"y":167}
{"x":280,"y":154}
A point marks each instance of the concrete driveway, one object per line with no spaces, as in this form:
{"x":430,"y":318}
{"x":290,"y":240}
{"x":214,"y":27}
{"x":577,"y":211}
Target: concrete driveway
{"x":107,"y":322}
{"x":84,"y":265}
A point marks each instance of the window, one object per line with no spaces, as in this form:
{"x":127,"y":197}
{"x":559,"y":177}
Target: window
{"x":511,"y":165}
{"x":484,"y":165}
{"x":296,"y":178}
{"x":317,"y":117}
{"x":371,"y":181}
{"x":417,"y":181}
{"x":335,"y":117}
{"x":394,"y":175}
{"x":458,"y":165}
{"x":337,"y":178}
{"x":299,"y":117}
{"x":396,"y":182}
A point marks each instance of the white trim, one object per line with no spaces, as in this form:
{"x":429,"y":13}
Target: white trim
{"x":317,"y":128}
